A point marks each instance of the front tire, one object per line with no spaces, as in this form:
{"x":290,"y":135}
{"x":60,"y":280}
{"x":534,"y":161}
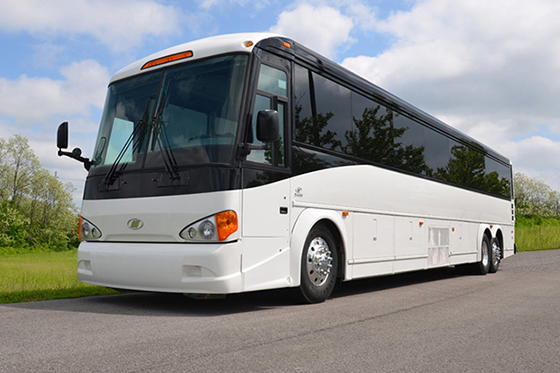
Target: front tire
{"x":319,"y":266}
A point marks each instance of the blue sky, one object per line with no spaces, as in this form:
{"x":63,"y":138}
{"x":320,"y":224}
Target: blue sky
{"x":491,"y":69}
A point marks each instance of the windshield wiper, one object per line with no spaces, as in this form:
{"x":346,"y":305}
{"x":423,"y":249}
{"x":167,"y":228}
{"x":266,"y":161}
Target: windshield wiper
{"x":159,"y":133}
{"x":140,"y":125}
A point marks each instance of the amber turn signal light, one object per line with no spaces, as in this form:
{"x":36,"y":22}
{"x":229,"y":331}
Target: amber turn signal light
{"x":227,"y":224}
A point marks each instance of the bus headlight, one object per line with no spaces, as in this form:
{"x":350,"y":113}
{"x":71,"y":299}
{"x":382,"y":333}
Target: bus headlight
{"x":88,"y":231}
{"x":207,"y":230}
{"x":217,"y":227}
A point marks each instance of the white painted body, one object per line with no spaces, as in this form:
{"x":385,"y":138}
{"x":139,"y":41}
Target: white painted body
{"x":395,"y":223}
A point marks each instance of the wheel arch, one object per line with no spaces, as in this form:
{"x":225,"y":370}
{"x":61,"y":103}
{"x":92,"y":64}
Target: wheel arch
{"x":500,"y":238}
{"x":483,"y":230}
{"x":309,"y":218}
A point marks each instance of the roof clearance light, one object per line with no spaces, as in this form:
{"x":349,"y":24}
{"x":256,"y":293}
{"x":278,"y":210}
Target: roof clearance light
{"x":167,"y":59}
{"x":287,"y":45}
{"x":248,"y":44}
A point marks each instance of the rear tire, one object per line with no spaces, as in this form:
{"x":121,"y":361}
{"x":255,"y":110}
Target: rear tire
{"x":495,"y":255}
{"x":319,"y":266}
{"x":483,"y":266}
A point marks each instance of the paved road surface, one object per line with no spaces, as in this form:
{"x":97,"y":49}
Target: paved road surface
{"x":433,"y":321}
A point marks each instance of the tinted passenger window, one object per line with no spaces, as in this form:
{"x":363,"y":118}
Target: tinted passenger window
{"x":302,"y":95}
{"x":437,"y":152}
{"x":409,"y":144}
{"x":371,"y":137}
{"x":465,"y":167}
{"x":497,"y":178}
{"x":334,"y":113}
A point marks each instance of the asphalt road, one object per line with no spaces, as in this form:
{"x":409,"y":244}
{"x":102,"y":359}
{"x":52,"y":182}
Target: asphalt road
{"x":431,"y":321}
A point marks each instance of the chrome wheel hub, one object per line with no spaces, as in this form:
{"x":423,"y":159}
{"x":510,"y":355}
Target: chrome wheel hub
{"x":319,"y":261}
{"x":496,"y":253}
{"x":485,"y":254}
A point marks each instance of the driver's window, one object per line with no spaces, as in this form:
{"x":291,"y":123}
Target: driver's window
{"x":273,"y":83}
{"x":121,"y":132}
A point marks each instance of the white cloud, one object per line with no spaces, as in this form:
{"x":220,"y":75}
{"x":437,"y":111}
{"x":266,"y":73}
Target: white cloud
{"x":539,"y":157}
{"x":121,"y":25}
{"x":498,"y":56}
{"x":363,"y":15}
{"x":322,"y":28}
{"x":33,"y":100}
{"x":487,"y":68}
{"x":255,"y":4}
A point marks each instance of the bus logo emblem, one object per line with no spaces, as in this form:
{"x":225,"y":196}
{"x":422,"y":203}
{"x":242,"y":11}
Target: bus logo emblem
{"x":135,"y":224}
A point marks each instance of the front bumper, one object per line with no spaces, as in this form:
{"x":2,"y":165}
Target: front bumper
{"x":165,"y":267}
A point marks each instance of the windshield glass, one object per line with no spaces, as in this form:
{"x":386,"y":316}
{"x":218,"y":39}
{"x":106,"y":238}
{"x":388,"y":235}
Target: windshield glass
{"x":180,"y":116}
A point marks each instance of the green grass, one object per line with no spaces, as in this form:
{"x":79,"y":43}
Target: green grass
{"x":537,"y":233}
{"x":42,"y":276}
{"x":539,"y":237}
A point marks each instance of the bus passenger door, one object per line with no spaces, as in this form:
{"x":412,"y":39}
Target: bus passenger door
{"x":266,"y":198}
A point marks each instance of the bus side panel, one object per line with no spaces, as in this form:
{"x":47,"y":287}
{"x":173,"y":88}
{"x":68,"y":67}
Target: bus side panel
{"x":463,"y":246}
{"x":265,"y":236}
{"x":374,"y":250}
{"x":407,"y":210}
{"x":266,"y":263}
{"x":410,"y":244}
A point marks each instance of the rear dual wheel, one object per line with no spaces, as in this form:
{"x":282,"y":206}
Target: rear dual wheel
{"x":483,"y":266}
{"x":495,"y":255}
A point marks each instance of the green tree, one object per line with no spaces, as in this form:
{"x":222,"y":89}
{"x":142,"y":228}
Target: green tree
{"x":22,"y":164}
{"x":4,"y":170}
{"x":12,"y":227}
{"x":534,"y":197}
{"x":35,"y":207}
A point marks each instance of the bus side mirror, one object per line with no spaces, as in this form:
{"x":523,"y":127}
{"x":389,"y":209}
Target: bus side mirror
{"x":62,"y":143}
{"x":62,"y":136}
{"x":268,"y":126}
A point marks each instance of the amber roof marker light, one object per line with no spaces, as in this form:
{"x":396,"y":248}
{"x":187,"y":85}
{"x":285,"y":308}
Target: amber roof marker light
{"x":167,"y":59}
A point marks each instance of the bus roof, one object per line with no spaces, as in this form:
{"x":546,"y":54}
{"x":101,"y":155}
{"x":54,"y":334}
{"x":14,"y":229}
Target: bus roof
{"x":244,"y":42}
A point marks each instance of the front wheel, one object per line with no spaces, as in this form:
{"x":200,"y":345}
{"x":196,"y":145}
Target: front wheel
{"x":319,"y":266}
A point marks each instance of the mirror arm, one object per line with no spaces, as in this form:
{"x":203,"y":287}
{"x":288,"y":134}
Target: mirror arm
{"x":244,"y":149}
{"x":77,"y":155}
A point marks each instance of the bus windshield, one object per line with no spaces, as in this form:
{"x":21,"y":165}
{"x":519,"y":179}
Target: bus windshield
{"x":181,"y":116}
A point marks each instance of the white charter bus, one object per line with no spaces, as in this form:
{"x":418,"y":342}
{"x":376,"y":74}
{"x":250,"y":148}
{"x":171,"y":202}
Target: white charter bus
{"x":247,"y":162}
